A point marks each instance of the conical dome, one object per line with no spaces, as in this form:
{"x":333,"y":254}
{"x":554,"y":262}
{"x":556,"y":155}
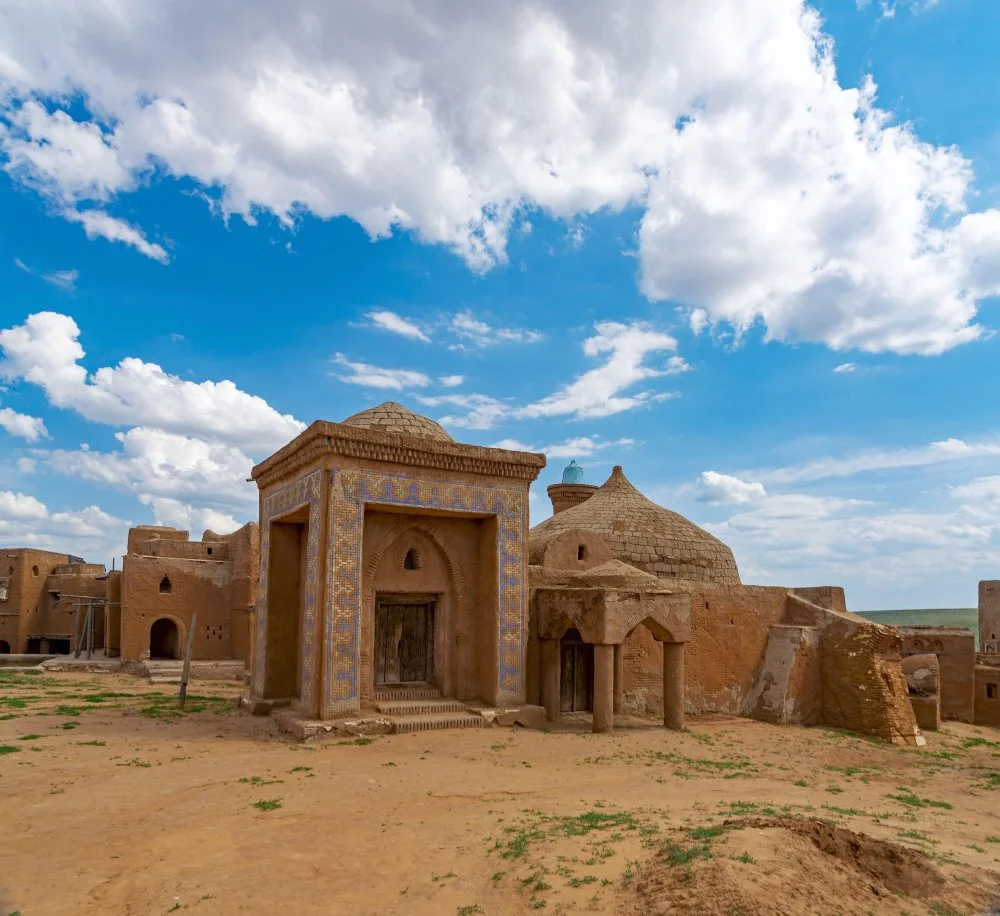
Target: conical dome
{"x":642,"y":534}
{"x":396,"y":419}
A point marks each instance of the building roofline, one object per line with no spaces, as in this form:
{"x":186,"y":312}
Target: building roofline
{"x":324,"y":437}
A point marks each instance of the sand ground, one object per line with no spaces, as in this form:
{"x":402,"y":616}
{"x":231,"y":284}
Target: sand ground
{"x":111,"y":802}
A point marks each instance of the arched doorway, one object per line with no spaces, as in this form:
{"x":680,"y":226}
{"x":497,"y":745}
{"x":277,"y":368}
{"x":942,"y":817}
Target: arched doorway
{"x":4,"y":647}
{"x":164,"y":639}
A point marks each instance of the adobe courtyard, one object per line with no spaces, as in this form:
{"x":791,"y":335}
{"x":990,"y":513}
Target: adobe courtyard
{"x":139,"y":809}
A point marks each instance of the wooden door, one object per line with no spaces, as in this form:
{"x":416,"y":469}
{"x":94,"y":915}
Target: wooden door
{"x":404,"y":641}
{"x":576,"y":689}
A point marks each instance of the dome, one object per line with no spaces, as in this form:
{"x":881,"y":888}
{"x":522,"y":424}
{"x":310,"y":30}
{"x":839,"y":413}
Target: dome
{"x":396,"y":419}
{"x":642,"y":534}
{"x":573,"y":473}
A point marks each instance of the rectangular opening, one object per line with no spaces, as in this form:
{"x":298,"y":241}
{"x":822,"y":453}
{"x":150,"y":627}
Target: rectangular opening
{"x":285,"y":574}
{"x":991,"y":691}
{"x":404,"y":639}
{"x":576,"y":689}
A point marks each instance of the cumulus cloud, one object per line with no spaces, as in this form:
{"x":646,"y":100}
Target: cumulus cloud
{"x":768,"y":191}
{"x":451,"y":381}
{"x":21,"y":425}
{"x":576,"y":447}
{"x":27,"y":522}
{"x":390,"y":321}
{"x":371,"y":376}
{"x":46,"y":352}
{"x":726,"y":490}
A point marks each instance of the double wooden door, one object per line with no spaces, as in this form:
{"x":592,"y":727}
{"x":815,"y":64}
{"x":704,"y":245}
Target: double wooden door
{"x":576,"y":689}
{"x":404,"y":640}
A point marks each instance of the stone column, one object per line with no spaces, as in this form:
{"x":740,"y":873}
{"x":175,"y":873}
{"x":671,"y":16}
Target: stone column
{"x":548,"y":657}
{"x":619,"y":679}
{"x":604,"y":688}
{"x":673,"y":685}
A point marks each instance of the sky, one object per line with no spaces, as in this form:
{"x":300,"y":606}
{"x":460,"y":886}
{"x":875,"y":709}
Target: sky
{"x":747,"y":249}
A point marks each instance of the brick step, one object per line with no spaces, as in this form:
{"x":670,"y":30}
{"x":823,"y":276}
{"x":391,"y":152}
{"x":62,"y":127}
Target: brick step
{"x":436,"y":721}
{"x":418,"y":707}
{"x":393,"y":694}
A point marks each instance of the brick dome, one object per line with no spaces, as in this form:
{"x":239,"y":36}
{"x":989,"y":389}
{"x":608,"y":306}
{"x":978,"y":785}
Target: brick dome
{"x":642,"y":534}
{"x":394,"y":418}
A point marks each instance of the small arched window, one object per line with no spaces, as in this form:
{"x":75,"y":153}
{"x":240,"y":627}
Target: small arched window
{"x":34,"y":571}
{"x":165,"y":586}
{"x":412,"y":559}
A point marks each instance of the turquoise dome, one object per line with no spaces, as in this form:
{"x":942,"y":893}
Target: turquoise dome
{"x":573,"y":473}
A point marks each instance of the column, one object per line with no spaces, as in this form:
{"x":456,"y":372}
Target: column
{"x":548,"y":657}
{"x":604,"y":688}
{"x":619,"y":679}
{"x":673,"y":685}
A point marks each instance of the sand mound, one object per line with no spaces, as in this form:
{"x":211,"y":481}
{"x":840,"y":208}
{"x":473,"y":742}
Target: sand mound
{"x":786,"y":865}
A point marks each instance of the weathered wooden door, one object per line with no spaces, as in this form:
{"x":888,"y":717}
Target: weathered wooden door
{"x":577,"y":670}
{"x":404,"y":641}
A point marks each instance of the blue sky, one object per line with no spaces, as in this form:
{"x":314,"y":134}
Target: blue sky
{"x":751,"y":253}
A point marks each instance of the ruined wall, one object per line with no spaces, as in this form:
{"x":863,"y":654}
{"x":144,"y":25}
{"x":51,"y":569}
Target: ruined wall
{"x":729,"y":631}
{"x":195,"y":585}
{"x":956,"y":651}
{"x":864,"y":689}
{"x":789,"y":688}
{"x":989,"y":616}
{"x":987,"y":691}
{"x":139,"y":536}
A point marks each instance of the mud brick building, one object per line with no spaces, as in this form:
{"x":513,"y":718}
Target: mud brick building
{"x":391,"y":556}
{"x":166,"y":578}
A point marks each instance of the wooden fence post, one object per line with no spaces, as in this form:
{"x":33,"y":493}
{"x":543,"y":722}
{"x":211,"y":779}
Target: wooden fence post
{"x":187,"y":661}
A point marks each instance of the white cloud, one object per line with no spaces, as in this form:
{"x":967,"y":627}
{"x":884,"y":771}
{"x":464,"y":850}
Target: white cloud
{"x":19,"y":424}
{"x":881,"y":459}
{"x":726,"y":490}
{"x":98,"y":224}
{"x":375,"y":377}
{"x":451,"y":381}
{"x":676,"y":365}
{"x":845,"y":367}
{"x":600,"y":392}
{"x":91,"y":532}
{"x":45,"y":351}
{"x":26,"y":465}
{"x":390,"y":321}
{"x":154,"y":464}
{"x":768,"y":191}
{"x":577,"y":447}
{"x":64,"y":279}
{"x":176,"y":514}
{"x":475,"y":333}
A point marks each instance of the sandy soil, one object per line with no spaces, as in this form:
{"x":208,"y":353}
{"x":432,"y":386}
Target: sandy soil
{"x":113,"y":803}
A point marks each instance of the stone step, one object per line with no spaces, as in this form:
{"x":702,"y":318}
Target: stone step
{"x":418,"y":707}
{"x":165,"y":679}
{"x":436,"y":721}
{"x":392,"y":694}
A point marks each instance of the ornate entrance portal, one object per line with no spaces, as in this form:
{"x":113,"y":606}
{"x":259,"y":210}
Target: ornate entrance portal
{"x":404,"y":639}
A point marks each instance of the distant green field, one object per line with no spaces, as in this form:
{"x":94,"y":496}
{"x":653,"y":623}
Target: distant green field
{"x":931,"y":617}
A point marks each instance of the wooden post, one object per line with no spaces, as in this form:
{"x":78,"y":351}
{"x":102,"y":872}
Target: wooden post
{"x":187,"y":660}
{"x":78,"y":630}
{"x":90,"y":629}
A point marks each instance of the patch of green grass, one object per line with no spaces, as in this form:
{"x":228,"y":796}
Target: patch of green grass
{"x":993,"y":839}
{"x":710,"y":833}
{"x":8,"y":749}
{"x":360,"y":742}
{"x":835,"y":790}
{"x":300,"y":770}
{"x":979,"y":742}
{"x":96,"y":743}
{"x":801,"y":783}
{"x":497,"y":875}
{"x":69,"y":725}
{"x":67,"y":711}
{"x":911,"y":800}
{"x":30,"y":737}
{"x":918,"y":836}
{"x":580,"y":882}
{"x":582,"y":824}
{"x":13,"y":702}
{"x":683,"y":855}
{"x":260,"y":781}
{"x":269,"y":804}
{"x":746,"y":859}
{"x":992,"y":781}
{"x":135,"y":762}
{"x":470,"y":909}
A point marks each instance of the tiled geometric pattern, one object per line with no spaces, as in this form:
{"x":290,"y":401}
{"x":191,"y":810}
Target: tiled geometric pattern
{"x":303,"y":492}
{"x":350,"y":492}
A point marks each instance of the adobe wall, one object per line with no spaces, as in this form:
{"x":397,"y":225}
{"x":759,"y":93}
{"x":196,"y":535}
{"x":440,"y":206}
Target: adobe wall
{"x":27,"y":598}
{"x":864,"y":689}
{"x":61,"y":616}
{"x":138,"y":536}
{"x":987,"y":691}
{"x":956,"y":651}
{"x":243,"y":547}
{"x":989,"y":616}
{"x":195,"y":585}
{"x":113,"y":614}
{"x":729,"y":632}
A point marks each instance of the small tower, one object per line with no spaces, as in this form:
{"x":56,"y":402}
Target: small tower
{"x":572,"y":491}
{"x":989,"y":616}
